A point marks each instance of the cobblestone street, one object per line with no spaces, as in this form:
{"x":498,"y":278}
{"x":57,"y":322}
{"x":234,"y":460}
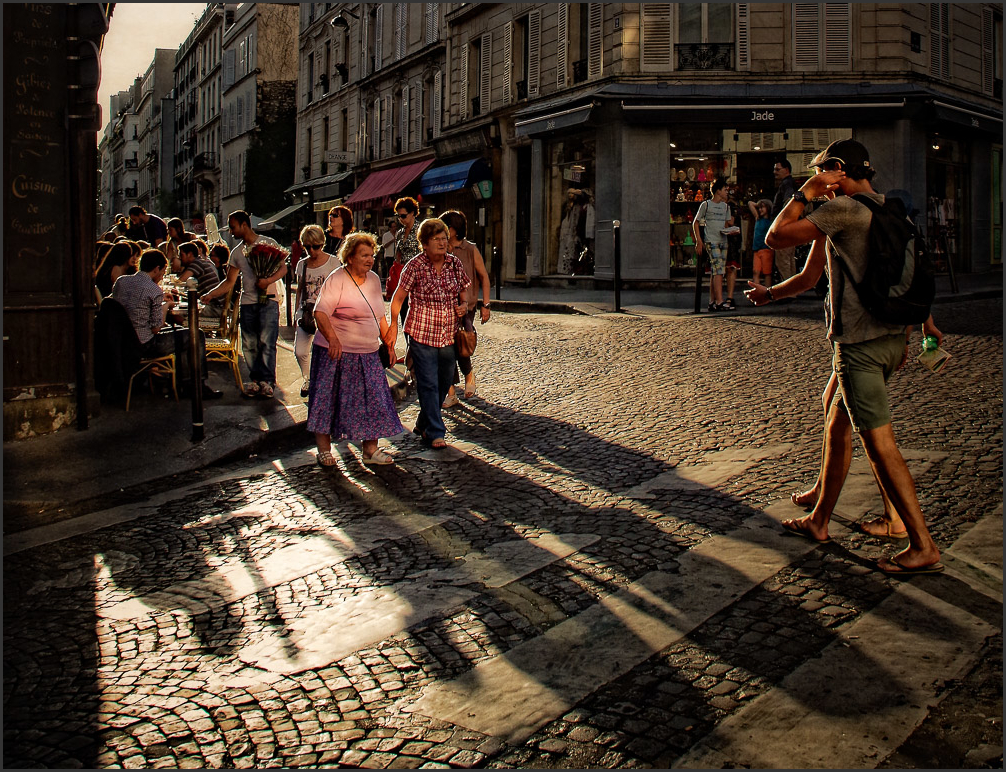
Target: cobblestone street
{"x":599,"y":580}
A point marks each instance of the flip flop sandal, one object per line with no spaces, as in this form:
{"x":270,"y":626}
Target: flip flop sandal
{"x":442,"y":443}
{"x":792,"y":530}
{"x":325,"y":458}
{"x":895,"y":537}
{"x":892,"y":567}
{"x":380,"y":458}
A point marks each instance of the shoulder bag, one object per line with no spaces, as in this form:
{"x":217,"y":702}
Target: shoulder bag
{"x":383,"y":351}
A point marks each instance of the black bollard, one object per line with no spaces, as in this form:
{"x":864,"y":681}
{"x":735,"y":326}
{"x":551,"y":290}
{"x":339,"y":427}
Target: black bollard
{"x":698,"y":283}
{"x":497,"y":269}
{"x":195,"y":362}
{"x":616,"y":230}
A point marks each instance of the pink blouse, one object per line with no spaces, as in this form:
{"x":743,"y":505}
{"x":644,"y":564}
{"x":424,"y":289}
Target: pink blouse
{"x":350,"y":311}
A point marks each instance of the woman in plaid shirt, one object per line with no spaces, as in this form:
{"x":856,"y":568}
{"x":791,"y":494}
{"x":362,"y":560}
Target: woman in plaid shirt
{"x":433,"y":281}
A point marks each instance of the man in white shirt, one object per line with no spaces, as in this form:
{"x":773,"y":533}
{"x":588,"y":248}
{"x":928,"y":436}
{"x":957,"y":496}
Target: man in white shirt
{"x":259,"y":321}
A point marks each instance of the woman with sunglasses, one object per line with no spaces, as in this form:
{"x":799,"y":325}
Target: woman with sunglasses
{"x":340,"y":225}
{"x":312,"y":271}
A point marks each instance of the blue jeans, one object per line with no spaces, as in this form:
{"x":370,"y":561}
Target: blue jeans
{"x":259,"y":333}
{"x":434,"y":371}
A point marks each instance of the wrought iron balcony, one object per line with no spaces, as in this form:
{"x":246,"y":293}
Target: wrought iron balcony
{"x":204,"y":162}
{"x":131,"y":163}
{"x":705,"y":56}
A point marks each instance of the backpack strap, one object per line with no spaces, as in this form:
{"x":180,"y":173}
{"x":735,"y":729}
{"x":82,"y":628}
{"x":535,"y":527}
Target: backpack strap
{"x":836,"y":306}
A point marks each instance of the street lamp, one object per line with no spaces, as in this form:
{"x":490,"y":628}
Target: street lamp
{"x":339,"y":20}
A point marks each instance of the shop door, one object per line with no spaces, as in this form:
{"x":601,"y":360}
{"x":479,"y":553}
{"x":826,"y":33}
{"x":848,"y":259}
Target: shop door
{"x":946,"y":210}
{"x":523,"y":235}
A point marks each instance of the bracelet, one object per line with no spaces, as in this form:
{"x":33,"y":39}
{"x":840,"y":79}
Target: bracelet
{"x":769,"y":295}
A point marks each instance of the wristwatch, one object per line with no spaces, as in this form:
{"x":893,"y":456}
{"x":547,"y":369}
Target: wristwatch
{"x":768,"y":294}
{"x":800,"y":197}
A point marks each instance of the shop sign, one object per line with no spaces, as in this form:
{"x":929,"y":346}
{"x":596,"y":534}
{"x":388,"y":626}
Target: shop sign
{"x":339,"y":157}
{"x":461,"y":144}
{"x":572,"y":175}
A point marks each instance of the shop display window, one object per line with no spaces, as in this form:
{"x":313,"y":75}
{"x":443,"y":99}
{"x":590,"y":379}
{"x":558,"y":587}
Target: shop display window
{"x":570,"y":212}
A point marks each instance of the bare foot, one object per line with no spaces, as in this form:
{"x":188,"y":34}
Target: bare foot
{"x":805,"y":499}
{"x":806,"y":528}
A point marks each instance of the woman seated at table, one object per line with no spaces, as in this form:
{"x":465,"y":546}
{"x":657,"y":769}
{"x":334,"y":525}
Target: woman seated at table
{"x":118,"y":261}
{"x":433,"y":281}
{"x":349,"y":398}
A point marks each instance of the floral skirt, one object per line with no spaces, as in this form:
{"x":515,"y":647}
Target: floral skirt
{"x":350,"y":398}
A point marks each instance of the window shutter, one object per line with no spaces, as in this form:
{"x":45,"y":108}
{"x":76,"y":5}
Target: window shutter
{"x":743,"y":36}
{"x":364,"y":56}
{"x":389,"y":125}
{"x":250,"y":110}
{"x":376,"y":139}
{"x":837,"y":35}
{"x":406,"y":118}
{"x":806,"y":36}
{"x":562,"y":47}
{"x":988,"y":52}
{"x":508,"y":63}
{"x":241,"y":115}
{"x":485,"y":73}
{"x":533,"y":53}
{"x":417,"y":116}
{"x":657,"y":41}
{"x":378,"y":37}
{"x":939,"y":40}
{"x":595,"y":41}
{"x":438,"y":103}
{"x":464,"y":80}
{"x":401,"y":20}
{"x":432,"y":11}
{"x":228,"y":69}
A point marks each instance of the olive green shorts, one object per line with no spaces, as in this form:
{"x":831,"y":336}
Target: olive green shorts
{"x":863,"y":370}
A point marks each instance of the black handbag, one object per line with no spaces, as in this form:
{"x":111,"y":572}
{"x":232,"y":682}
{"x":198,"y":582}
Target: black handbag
{"x":306,"y":322}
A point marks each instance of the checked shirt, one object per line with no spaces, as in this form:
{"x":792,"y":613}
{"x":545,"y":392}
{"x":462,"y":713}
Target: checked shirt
{"x":433,"y":298}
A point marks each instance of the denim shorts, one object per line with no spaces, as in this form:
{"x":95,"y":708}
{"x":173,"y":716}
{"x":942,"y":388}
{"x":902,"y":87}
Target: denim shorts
{"x":863,"y":370}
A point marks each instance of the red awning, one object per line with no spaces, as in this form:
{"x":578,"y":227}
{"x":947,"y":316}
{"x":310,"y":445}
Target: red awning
{"x":387,"y":182}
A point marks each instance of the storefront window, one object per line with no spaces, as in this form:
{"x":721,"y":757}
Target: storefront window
{"x":570,"y":214}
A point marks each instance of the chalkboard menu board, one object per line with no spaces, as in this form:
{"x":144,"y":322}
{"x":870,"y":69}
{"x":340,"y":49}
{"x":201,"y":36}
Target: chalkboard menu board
{"x":36,"y":168}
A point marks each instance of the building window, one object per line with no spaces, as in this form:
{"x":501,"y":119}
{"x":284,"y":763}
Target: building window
{"x":483,"y":74}
{"x":401,"y":29}
{"x":377,"y":36}
{"x":939,"y":40}
{"x":822,"y":36}
{"x":595,"y":40}
{"x":431,"y":22}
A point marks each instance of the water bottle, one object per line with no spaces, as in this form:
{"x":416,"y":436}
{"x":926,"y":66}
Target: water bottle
{"x":930,"y":343}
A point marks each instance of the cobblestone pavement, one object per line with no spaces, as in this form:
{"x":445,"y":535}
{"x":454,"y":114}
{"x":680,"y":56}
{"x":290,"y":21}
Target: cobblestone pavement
{"x":304,"y":617}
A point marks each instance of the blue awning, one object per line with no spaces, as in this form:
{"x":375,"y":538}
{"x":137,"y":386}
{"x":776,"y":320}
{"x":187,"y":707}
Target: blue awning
{"x":454,"y":177}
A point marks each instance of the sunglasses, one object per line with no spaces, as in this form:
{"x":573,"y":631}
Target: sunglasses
{"x":403,"y":216}
{"x":314,"y":246}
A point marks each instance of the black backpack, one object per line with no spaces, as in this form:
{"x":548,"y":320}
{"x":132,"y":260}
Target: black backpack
{"x":899,"y":284}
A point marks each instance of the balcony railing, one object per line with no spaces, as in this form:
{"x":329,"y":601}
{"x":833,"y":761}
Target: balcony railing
{"x":131,"y":192}
{"x":131,"y":163}
{"x":705,"y":56}
{"x":204,"y":161}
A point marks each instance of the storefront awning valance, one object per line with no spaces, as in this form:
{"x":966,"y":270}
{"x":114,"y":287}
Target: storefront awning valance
{"x":317,"y":182}
{"x":444,"y":179}
{"x":560,"y":119}
{"x":387,"y":182}
{"x":764,"y":114}
{"x":270,"y":223}
{"x":965,"y":117}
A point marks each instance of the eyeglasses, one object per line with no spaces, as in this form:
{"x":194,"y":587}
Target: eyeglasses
{"x":403,"y":216}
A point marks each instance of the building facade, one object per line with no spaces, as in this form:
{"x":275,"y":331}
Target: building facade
{"x":634,"y":109}
{"x":156,"y":84}
{"x":258,"y":108}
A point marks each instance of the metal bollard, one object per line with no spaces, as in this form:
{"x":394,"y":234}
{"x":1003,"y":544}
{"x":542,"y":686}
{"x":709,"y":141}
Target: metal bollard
{"x":698,"y":283}
{"x":616,"y":230}
{"x":497,"y":269}
{"x":195,"y":362}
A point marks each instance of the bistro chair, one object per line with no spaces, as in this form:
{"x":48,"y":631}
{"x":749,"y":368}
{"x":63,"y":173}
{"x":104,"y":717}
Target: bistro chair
{"x":227,"y":346}
{"x":155,"y":367}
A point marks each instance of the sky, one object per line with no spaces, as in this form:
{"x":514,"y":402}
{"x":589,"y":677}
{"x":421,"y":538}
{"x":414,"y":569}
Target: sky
{"x":135,"y":30}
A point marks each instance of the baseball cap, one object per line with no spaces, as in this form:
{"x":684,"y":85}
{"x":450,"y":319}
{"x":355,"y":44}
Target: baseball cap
{"x":847,"y":151}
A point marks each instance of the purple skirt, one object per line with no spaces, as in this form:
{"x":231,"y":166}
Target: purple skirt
{"x":350,"y":398}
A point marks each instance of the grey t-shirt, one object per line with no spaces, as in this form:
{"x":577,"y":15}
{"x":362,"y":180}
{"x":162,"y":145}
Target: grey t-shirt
{"x":249,"y":290}
{"x":846,"y":223}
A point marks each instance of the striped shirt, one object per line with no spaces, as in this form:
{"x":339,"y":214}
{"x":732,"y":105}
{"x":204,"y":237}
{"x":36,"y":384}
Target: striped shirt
{"x":204,"y":272}
{"x":142,"y":299}
{"x":433,"y":298}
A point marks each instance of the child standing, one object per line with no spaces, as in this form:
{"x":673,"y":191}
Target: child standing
{"x":713,"y":217}
{"x":761,"y":210}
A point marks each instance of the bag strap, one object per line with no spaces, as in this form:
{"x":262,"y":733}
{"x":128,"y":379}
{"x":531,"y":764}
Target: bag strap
{"x":367,"y":302}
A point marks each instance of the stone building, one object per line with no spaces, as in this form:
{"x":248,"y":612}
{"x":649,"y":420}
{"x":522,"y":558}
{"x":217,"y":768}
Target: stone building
{"x":626,"y":103}
{"x":197,"y":107}
{"x":155,"y":86}
{"x":258,"y":109}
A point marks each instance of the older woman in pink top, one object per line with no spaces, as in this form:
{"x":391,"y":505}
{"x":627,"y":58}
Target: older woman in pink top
{"x":349,"y":396}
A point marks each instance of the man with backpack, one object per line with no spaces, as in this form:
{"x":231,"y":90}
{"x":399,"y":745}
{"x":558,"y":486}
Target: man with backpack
{"x":869,"y":335}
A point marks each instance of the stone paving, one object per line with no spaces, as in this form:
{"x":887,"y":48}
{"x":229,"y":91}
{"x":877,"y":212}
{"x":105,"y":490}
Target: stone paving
{"x":303,"y":617}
